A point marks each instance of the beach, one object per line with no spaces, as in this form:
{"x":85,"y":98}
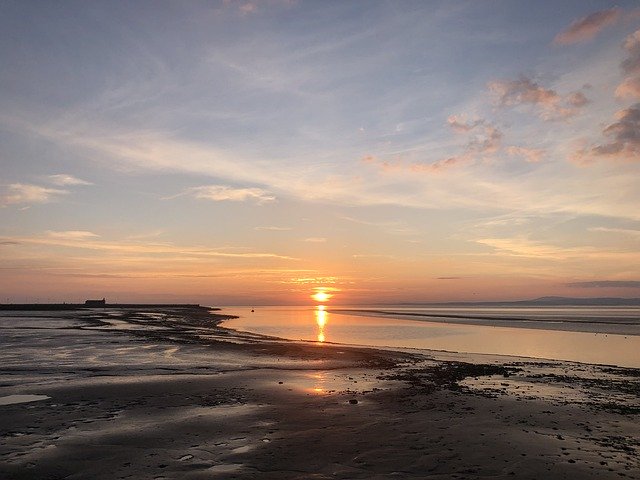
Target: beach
{"x":171,"y":393}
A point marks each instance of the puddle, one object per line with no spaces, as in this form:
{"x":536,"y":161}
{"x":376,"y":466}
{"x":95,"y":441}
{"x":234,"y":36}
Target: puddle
{"x":225,"y":468}
{"x":243,"y":449}
{"x":327,"y":382}
{"x":13,"y":399}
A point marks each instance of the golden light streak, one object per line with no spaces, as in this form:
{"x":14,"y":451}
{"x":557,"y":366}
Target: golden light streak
{"x":321,"y":321}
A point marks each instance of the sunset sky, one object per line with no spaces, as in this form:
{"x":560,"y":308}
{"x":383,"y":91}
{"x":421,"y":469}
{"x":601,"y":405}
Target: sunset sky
{"x":255,"y":152}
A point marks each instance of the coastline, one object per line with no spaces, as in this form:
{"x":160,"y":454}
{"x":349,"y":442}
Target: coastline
{"x":227,"y":404}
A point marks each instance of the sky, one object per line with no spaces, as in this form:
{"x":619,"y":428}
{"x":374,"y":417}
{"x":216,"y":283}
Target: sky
{"x":261,"y":151}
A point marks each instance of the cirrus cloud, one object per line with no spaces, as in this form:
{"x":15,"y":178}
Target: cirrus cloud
{"x":222,"y":193}
{"x":71,"y":234}
{"x":64,"y":179}
{"x":27,"y":194}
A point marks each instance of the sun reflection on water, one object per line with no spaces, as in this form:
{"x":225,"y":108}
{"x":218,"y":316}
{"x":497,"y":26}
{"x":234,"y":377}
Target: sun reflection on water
{"x":321,"y":320}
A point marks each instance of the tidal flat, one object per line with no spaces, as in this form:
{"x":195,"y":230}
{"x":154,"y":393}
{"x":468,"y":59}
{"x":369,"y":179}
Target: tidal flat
{"x":170,"y":393}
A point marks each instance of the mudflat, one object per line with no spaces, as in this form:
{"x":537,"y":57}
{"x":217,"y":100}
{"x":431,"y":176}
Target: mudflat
{"x":171,"y":394}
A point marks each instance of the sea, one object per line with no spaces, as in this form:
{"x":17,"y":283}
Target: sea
{"x":37,"y":341}
{"x":597,"y":335}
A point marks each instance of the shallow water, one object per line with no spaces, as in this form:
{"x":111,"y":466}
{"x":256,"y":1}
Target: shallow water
{"x":547,"y":333}
{"x":14,"y":399}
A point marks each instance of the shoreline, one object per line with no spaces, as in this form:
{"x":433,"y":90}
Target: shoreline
{"x":226,"y":404}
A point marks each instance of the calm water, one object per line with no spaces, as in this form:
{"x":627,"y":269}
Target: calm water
{"x":609,"y":335}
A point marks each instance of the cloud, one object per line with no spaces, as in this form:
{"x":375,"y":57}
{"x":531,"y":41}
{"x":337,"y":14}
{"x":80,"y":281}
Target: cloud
{"x":87,"y":241}
{"x":606,"y":284}
{"x":624,"y":135}
{"x":629,"y":88}
{"x":460,"y":125}
{"x":64,"y":180}
{"x":524,"y":247}
{"x":624,"y":231}
{"x":315,"y":240}
{"x":222,"y":193}
{"x":440,"y":165}
{"x":631,"y":65}
{"x":71,"y":235}
{"x":26,"y":193}
{"x":531,"y":155}
{"x":273,"y":229}
{"x":523,"y":91}
{"x":449,"y":278}
{"x":588,"y":27}
{"x":486,"y":139}
{"x":577,"y":99}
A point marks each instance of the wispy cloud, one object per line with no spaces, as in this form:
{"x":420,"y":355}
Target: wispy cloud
{"x":63,"y":180}
{"x":315,"y":240}
{"x":273,"y":229}
{"x":223,"y":193}
{"x":524,"y":247}
{"x":606,"y":284}
{"x":624,"y":231}
{"x":28,"y":194}
{"x":587,"y":27}
{"x":525,"y":91}
{"x":71,"y":234}
{"x":88,"y":241}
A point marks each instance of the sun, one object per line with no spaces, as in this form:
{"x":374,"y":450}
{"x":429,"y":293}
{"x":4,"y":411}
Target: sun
{"x":321,"y":296}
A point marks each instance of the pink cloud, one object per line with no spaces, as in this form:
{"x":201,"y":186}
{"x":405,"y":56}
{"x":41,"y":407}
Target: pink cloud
{"x":629,"y":88}
{"x":624,"y":139}
{"x":531,"y":155}
{"x":588,"y":27}
{"x":440,"y":165}
{"x":577,"y":99}
{"x":631,"y":65}
{"x":550,"y":104}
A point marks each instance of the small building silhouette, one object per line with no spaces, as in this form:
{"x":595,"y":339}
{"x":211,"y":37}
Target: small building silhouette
{"x":95,"y":303}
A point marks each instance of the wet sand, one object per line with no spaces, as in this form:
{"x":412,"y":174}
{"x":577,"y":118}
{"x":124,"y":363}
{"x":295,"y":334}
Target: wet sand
{"x":231,"y":405}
